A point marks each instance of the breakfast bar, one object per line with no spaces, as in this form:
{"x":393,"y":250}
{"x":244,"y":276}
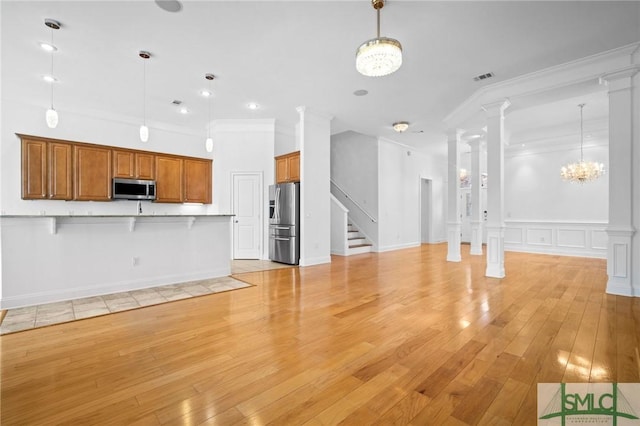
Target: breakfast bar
{"x":48,"y":258}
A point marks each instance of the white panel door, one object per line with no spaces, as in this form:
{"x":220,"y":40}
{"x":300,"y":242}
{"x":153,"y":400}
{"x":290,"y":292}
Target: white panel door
{"x":247,"y":222}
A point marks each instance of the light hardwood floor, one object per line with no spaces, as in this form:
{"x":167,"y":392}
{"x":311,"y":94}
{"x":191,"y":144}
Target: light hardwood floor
{"x":401,"y":337}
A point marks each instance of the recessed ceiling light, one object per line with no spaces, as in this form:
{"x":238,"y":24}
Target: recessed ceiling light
{"x":49,"y":78}
{"x":361,"y":92}
{"x":253,"y":106}
{"x":184,"y":110}
{"x":48,"y":46}
{"x":206,"y":93}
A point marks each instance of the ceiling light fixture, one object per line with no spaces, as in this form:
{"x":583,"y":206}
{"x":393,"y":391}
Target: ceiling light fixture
{"x":49,"y":78}
{"x":381,"y":55}
{"x":253,"y":106}
{"x":208,"y":144}
{"x":184,"y":110}
{"x":52,"y":115}
{"x":582,"y":171}
{"x":144,"y":130}
{"x":400,"y":126}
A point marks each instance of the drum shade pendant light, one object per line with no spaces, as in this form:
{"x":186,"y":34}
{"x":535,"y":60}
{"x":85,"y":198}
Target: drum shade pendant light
{"x":144,"y":130}
{"x":52,"y":115}
{"x":381,"y":55}
{"x":582,"y":171}
{"x":208,"y":144}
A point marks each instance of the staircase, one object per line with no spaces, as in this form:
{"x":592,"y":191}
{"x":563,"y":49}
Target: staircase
{"x":357,"y":243}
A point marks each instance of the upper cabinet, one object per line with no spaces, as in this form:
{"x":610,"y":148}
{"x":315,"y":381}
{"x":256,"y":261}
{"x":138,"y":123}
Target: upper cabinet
{"x":92,"y":173}
{"x":64,"y":170}
{"x":197,"y":187}
{"x":288,"y":168}
{"x":169,"y":171}
{"x":47,"y":170}
{"x":133,"y":165}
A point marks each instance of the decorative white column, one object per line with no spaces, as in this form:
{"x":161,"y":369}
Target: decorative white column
{"x":495,"y":187}
{"x":476,"y":201}
{"x":453,"y":199}
{"x":620,"y":229}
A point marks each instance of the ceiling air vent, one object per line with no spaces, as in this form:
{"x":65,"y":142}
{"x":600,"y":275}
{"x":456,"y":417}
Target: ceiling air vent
{"x":176,"y":102}
{"x":483,"y":76}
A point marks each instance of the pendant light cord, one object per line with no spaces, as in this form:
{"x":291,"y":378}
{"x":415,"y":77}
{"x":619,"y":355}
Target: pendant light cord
{"x":144,"y":91}
{"x":209,"y":124}
{"x":378,"y":26}
{"x":52,"y":76}
{"x":581,"y":133}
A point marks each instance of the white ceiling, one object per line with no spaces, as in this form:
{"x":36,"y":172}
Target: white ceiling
{"x":283,"y":54}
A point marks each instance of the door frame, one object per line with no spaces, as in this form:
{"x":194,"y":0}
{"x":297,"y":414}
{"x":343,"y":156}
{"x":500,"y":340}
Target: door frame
{"x":261,"y":207}
{"x":425,"y":183}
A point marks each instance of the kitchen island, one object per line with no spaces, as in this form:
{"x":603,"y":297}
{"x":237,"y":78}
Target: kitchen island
{"x":48,"y":258}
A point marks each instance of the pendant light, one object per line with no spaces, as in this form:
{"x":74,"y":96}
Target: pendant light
{"x":208,"y":144}
{"x":381,"y":55}
{"x":52,"y":115}
{"x":144,"y":130}
{"x":582,"y":171}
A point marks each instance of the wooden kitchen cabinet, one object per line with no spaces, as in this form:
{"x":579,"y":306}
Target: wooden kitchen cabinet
{"x":133,"y":165}
{"x":92,"y":173}
{"x":288,"y":167}
{"x":123,"y":164}
{"x":197,"y":181}
{"x":47,"y":170}
{"x":60,"y":171}
{"x":34,"y":169}
{"x":145,"y":166}
{"x":169,"y":171}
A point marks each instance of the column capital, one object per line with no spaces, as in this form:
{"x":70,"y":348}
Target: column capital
{"x":475,"y":143}
{"x":621,"y":79}
{"x":496,"y":108}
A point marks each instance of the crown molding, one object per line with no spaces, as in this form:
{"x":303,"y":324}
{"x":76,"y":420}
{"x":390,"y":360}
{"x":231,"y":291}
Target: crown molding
{"x":588,"y":69}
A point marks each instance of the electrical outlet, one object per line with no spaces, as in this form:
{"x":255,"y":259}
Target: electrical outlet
{"x":135,"y":261}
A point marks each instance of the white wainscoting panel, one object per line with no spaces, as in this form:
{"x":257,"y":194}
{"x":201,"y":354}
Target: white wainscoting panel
{"x":585,"y":239}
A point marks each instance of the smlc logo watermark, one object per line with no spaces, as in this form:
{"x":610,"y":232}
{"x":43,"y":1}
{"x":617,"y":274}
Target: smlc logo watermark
{"x":616,"y":404}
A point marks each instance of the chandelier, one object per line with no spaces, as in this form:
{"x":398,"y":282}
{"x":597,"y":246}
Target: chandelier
{"x":582,"y":171}
{"x":381,"y":55}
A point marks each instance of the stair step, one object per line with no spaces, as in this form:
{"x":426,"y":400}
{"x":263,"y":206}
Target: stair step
{"x":360,"y":245}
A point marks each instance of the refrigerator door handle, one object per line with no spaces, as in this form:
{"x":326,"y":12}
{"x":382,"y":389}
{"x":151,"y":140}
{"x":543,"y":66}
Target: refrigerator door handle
{"x":278,"y":204}
{"x":281,"y":239}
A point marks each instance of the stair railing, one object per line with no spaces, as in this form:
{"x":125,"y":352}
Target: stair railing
{"x":373,"y":219}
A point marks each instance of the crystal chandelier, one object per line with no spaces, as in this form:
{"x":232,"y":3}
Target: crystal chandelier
{"x":381,"y":55}
{"x":582,"y":171}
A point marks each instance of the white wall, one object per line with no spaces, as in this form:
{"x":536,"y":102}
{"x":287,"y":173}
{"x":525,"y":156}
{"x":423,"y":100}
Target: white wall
{"x":400,"y":171}
{"x":354,"y":168}
{"x":286,"y":140}
{"x":534,"y":191}
{"x":243,"y":146}
{"x":315,"y":210}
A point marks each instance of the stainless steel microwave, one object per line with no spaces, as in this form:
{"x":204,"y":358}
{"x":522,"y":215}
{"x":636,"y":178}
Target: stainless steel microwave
{"x":133,"y":189}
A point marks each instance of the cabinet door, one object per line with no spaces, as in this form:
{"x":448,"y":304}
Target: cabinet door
{"x":92,"y":173}
{"x":123,"y":164}
{"x":169,"y":179}
{"x":282,"y":170}
{"x":197,"y":181}
{"x":34,"y":169}
{"x":293,"y":163}
{"x":60,"y":171}
{"x":145,"y":166}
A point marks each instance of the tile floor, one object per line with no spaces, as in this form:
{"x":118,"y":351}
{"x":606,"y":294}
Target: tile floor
{"x":53,"y":313}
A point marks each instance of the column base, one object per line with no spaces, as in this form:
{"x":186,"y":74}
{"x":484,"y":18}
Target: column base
{"x":453,"y":242}
{"x":619,"y":262}
{"x":476,"y":238}
{"x":495,"y":252}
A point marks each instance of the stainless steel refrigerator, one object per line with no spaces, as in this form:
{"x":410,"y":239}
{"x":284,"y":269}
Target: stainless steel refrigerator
{"x":284,"y":223}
